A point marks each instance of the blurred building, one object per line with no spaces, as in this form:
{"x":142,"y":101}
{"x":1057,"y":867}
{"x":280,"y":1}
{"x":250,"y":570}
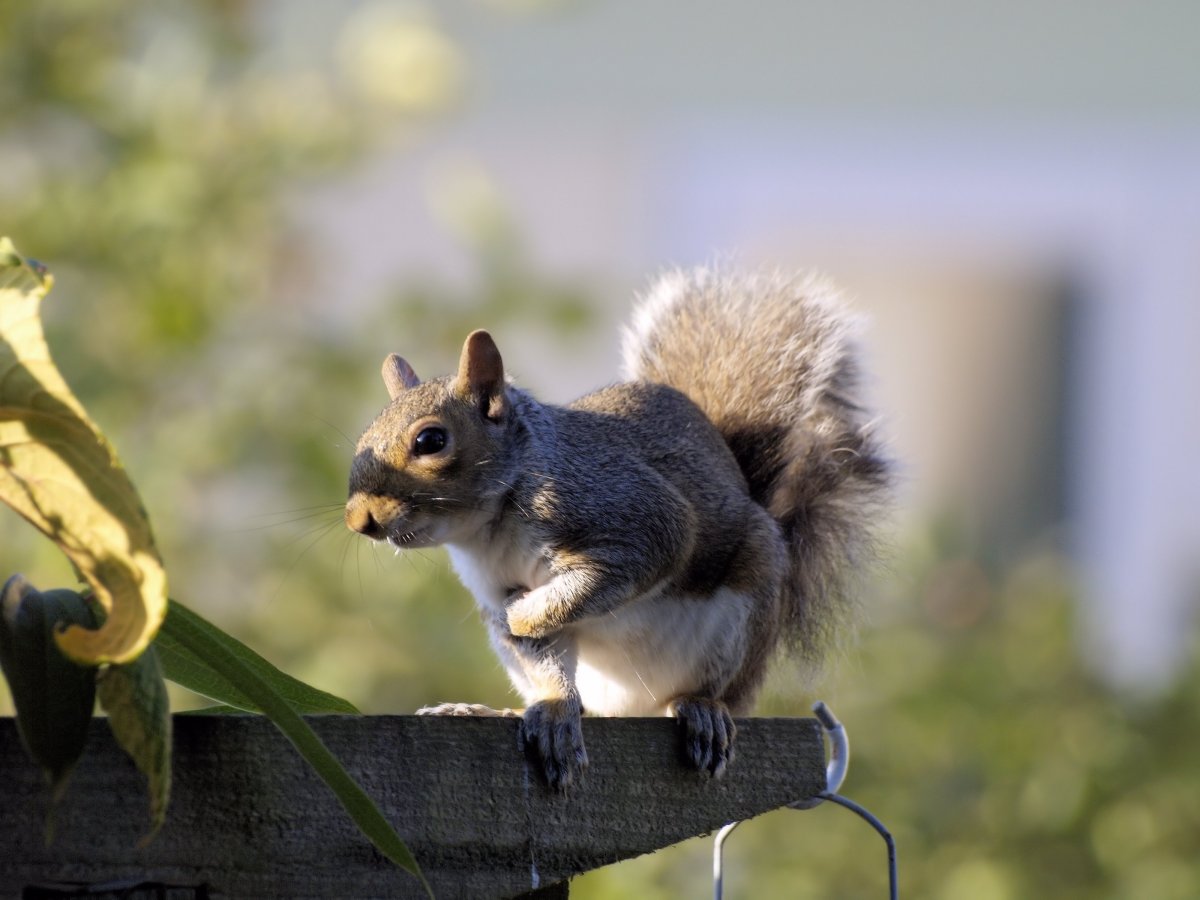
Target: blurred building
{"x":1011,"y":192}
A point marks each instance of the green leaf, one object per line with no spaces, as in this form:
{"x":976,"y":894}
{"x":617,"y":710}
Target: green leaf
{"x":220,"y":709}
{"x":204,"y":642}
{"x":196,"y":673}
{"x":135,"y":697}
{"x":53,"y":695}
{"x":58,"y":471}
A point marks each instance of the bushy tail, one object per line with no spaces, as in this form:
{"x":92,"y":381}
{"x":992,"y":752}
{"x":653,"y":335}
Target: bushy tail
{"x":770,"y":359}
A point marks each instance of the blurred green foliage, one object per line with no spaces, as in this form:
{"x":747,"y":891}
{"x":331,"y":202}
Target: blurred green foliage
{"x":154,"y":154}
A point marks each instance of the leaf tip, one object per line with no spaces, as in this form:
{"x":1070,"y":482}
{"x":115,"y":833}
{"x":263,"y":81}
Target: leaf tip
{"x":11,"y":258}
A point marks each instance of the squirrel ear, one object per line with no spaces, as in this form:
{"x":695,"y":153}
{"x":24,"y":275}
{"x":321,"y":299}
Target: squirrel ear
{"x":481,"y":373}
{"x":398,"y":375}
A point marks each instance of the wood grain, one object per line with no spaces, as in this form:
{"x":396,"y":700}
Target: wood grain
{"x":249,"y":818}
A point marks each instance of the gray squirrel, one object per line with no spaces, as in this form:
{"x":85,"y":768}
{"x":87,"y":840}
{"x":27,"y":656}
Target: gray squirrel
{"x":648,"y":548}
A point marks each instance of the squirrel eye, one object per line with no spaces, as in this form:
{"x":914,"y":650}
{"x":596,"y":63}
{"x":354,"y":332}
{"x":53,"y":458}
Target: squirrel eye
{"x":429,"y":440}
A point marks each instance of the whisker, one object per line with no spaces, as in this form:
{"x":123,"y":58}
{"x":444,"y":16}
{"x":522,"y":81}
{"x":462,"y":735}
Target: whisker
{"x":342,"y":560}
{"x":312,"y":515}
{"x":362,"y":593}
{"x":638,"y":674}
{"x":375,"y":556}
{"x":522,"y":509}
{"x":330,"y":425}
{"x":319,"y":527}
{"x":300,"y":509}
{"x":321,"y":532}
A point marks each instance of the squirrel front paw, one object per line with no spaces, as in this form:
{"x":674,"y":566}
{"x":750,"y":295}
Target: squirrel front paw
{"x":466,"y":709}
{"x":552,"y":735}
{"x":526,"y":614}
{"x":708,"y":733}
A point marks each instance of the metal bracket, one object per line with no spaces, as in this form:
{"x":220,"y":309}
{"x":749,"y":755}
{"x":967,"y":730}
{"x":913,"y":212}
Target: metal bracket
{"x":835,"y":773}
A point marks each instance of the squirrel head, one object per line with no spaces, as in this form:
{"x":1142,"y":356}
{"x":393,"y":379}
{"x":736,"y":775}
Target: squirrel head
{"x":425,"y":470}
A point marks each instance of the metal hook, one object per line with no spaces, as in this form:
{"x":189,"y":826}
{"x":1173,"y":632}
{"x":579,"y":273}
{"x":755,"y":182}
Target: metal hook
{"x":839,"y":755}
{"x":835,"y":774}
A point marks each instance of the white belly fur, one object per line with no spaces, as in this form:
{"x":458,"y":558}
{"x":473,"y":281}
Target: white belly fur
{"x":635,"y":661}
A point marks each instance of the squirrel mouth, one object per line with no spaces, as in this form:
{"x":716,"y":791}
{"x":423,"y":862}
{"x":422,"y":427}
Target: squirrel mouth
{"x":407,"y":538}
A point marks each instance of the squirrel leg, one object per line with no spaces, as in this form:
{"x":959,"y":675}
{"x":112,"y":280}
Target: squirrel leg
{"x":603,"y":575}
{"x":543,"y":670}
{"x":580,"y":589}
{"x":572,"y":594}
{"x":708,"y":733}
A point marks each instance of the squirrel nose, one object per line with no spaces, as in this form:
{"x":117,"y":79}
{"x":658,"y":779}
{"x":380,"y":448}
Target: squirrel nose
{"x":358,"y":518}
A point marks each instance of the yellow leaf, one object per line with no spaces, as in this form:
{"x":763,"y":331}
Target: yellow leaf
{"x":58,"y":471}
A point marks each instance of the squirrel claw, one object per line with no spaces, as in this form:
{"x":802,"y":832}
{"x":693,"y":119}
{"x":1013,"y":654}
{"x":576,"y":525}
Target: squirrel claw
{"x":709,"y":733}
{"x":551,"y":734}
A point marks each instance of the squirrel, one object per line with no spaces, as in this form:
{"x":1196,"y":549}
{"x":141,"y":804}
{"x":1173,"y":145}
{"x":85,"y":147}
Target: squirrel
{"x":648,"y":548}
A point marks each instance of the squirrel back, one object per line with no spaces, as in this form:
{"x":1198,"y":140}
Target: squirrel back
{"x":771,"y":361}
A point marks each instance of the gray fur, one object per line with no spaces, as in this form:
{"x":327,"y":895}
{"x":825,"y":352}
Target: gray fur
{"x":646,"y":548}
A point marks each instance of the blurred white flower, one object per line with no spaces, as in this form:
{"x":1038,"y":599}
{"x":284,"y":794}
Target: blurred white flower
{"x":398,"y":57}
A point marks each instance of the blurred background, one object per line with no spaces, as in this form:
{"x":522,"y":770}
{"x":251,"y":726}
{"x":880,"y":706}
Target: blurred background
{"x":247,"y":205}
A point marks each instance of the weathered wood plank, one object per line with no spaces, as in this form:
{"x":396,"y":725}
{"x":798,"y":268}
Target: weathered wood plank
{"x":248,"y":818}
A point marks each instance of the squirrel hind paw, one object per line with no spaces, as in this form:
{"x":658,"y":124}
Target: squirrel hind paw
{"x":708,"y":734}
